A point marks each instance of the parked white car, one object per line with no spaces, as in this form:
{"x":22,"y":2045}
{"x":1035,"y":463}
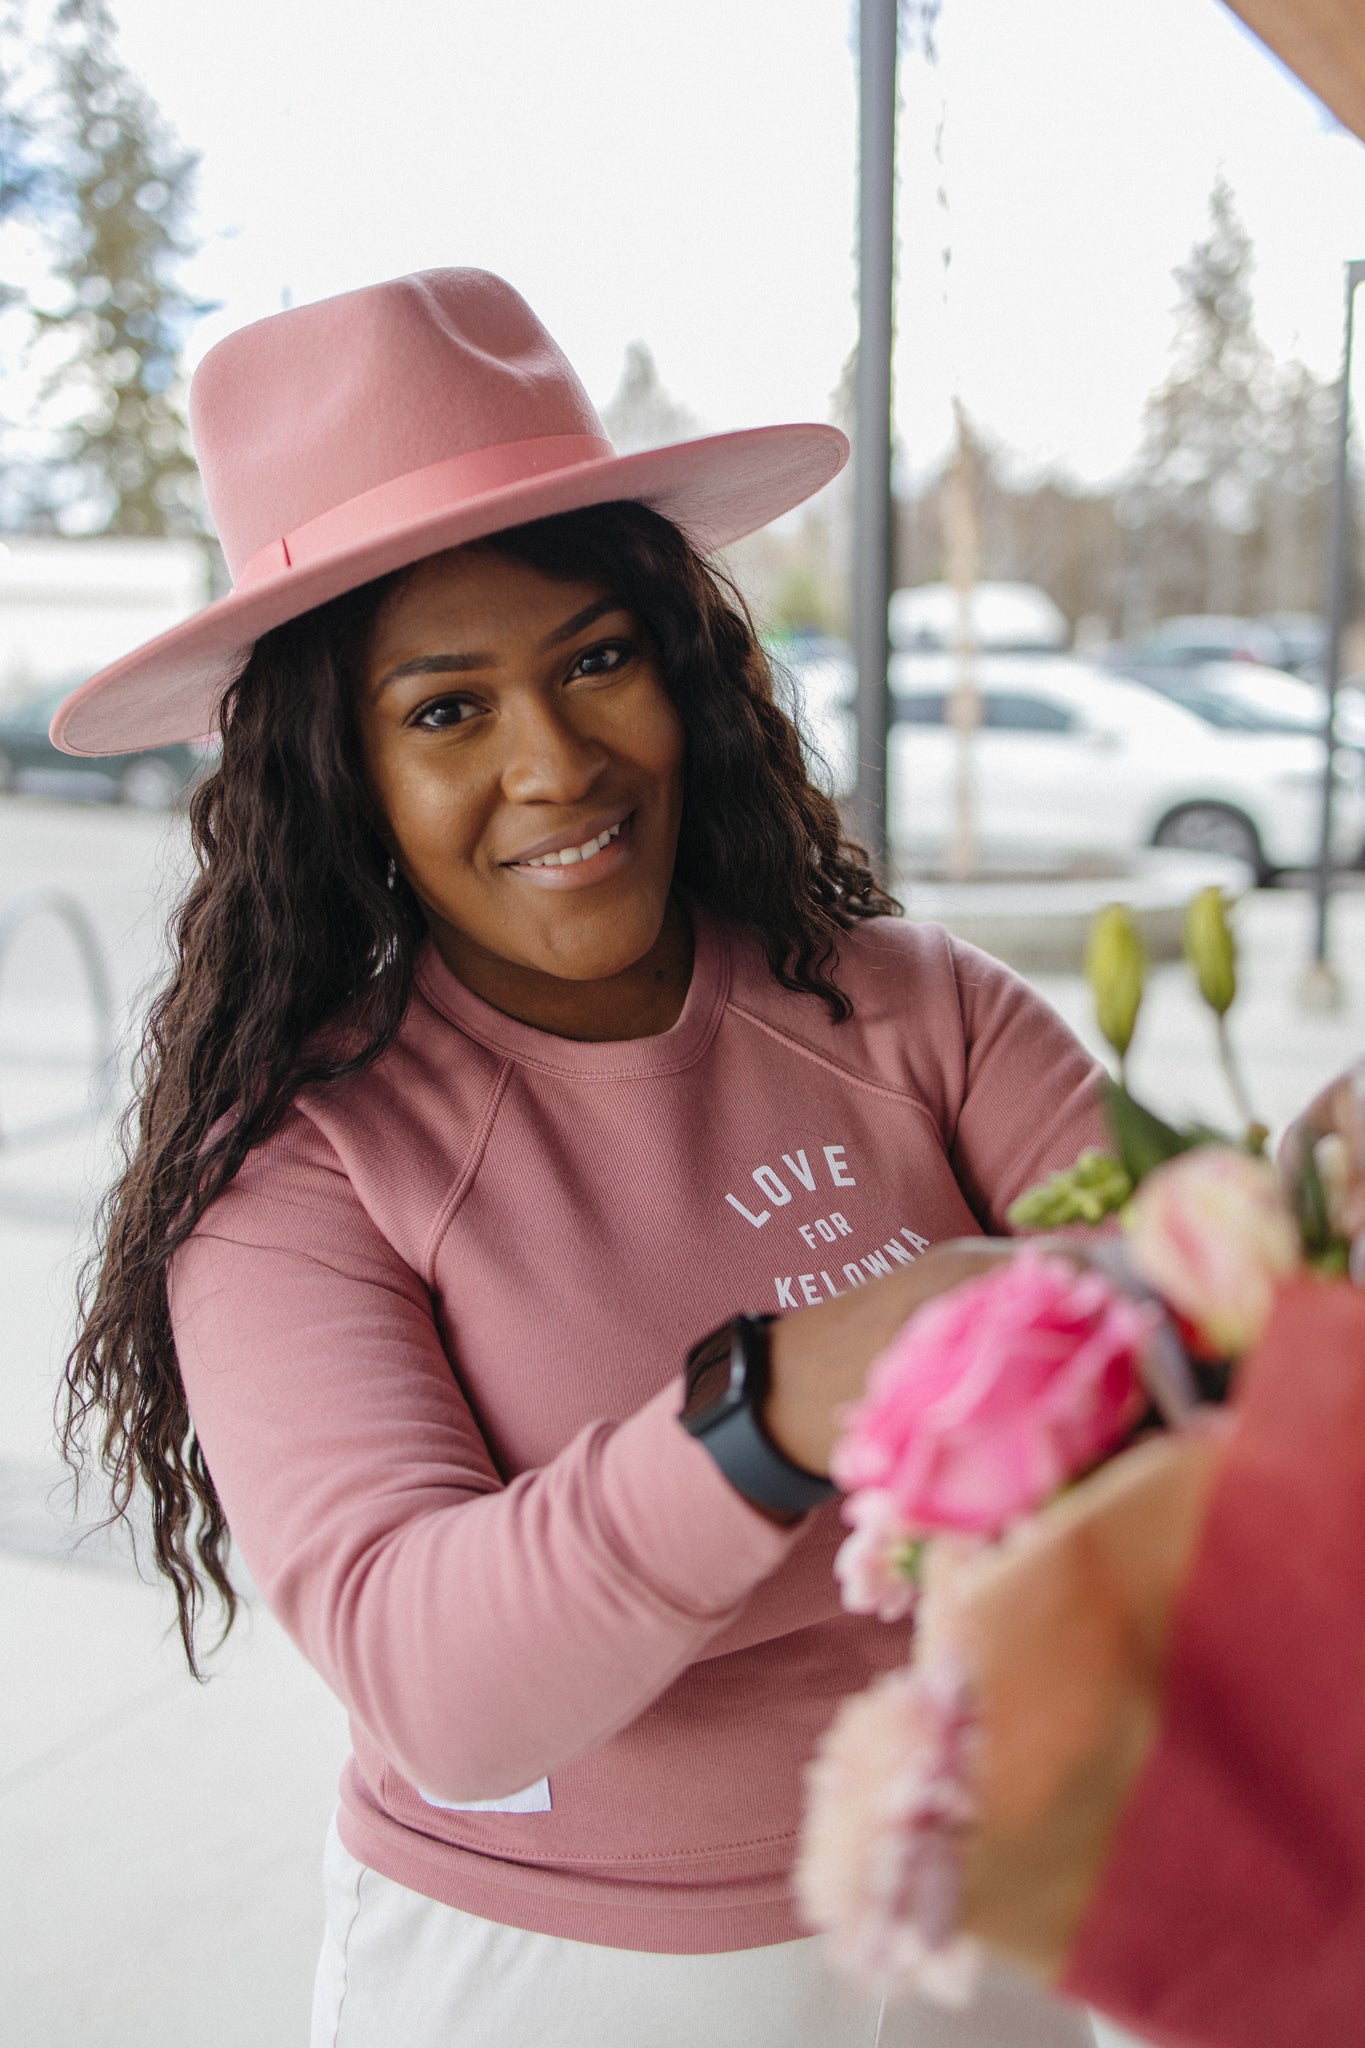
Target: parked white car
{"x":1070,"y":760}
{"x":1271,"y":698}
{"x":1012,"y":618}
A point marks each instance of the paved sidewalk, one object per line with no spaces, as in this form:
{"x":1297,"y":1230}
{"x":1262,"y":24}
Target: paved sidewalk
{"x":159,"y":1874}
{"x":159,"y":1841}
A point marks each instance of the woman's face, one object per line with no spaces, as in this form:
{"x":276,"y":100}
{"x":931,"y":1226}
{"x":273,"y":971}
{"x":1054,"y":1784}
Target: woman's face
{"x":528,"y":763}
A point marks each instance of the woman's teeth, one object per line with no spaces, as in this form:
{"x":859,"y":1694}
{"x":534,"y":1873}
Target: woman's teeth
{"x":568,"y":854}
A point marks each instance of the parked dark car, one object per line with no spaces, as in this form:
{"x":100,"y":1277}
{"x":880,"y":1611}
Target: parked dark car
{"x":28,"y":760}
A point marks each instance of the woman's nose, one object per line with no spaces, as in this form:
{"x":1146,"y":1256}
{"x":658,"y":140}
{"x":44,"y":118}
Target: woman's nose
{"x":547,"y":761}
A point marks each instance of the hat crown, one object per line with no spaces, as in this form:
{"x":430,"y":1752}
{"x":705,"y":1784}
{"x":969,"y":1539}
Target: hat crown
{"x":302,"y":411}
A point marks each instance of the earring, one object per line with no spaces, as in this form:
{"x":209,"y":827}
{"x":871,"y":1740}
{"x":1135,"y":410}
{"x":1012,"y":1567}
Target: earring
{"x":392,"y":875}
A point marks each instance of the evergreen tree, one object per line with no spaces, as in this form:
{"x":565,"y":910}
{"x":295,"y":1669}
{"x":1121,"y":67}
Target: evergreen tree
{"x":127,"y":189}
{"x":641,"y":413}
{"x":1301,"y":434}
{"x":1196,"y":499}
{"x":21,"y":178}
{"x":27,"y":195}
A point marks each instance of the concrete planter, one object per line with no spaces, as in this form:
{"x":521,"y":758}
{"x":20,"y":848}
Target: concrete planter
{"x":1039,"y":921}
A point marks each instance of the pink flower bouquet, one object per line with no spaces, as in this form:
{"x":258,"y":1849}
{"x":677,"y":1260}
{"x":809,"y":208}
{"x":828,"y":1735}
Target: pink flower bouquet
{"x":994,"y":1398}
{"x":987,"y":1402}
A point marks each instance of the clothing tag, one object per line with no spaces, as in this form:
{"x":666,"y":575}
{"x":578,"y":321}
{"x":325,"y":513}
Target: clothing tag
{"x":531,"y":1799}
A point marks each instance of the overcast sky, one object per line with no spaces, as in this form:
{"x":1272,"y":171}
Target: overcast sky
{"x":683,"y":171}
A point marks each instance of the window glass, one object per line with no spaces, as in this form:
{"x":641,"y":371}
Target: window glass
{"x":1019,"y":713}
{"x":922,"y":707}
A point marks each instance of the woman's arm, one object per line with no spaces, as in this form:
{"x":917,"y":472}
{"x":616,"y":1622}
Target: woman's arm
{"x":364,"y":1500}
{"x":427,"y":1592}
{"x":424,"y":1589}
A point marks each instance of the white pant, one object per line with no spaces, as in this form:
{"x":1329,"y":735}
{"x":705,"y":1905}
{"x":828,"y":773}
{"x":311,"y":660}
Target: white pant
{"x":399,"y":1970}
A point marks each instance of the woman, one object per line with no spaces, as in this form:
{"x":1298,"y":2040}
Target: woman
{"x":529,"y":1020}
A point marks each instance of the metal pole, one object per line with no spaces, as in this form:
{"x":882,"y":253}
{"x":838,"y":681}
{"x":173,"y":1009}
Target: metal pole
{"x":1338,"y":606}
{"x":56,"y":903}
{"x":872,"y":529}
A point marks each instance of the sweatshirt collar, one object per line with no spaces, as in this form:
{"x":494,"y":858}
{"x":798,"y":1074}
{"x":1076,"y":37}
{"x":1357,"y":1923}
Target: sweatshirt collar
{"x":606,"y":1059}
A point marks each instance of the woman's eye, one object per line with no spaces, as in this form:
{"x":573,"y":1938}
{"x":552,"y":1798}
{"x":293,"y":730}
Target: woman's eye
{"x":603,"y":660}
{"x":445,"y":712}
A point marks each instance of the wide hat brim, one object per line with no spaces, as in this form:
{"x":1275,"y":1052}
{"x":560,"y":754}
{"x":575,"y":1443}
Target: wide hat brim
{"x":716,"y":490}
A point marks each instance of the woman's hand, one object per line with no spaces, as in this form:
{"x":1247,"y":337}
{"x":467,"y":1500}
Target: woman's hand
{"x":820,"y":1356}
{"x":1071,"y":1624}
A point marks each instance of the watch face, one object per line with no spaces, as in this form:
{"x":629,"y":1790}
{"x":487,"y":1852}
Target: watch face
{"x":709,"y":1375}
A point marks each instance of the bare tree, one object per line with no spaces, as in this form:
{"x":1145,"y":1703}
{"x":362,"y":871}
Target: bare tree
{"x":1046,"y":529}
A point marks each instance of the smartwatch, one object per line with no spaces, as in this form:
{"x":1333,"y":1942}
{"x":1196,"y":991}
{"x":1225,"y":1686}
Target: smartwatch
{"x":727,"y":1385}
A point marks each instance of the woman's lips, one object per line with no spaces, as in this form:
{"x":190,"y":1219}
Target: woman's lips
{"x":582,"y":872}
{"x":574,"y":842}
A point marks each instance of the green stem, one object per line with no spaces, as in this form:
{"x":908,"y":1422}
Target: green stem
{"x":1233,"y":1073}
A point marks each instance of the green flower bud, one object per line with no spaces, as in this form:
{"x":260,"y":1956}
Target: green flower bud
{"x":1211,"y":950}
{"x":1116,"y":963}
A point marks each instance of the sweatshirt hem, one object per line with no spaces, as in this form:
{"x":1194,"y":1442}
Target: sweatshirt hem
{"x":656,"y":1919}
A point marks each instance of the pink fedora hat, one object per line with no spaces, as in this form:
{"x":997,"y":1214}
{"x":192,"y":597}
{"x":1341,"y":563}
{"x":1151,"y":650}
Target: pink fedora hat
{"x":342,"y":440}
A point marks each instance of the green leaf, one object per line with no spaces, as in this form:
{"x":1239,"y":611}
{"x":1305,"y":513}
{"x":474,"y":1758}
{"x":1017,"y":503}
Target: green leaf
{"x":1334,"y":1261}
{"x":1310,"y":1202}
{"x":1142,"y":1139}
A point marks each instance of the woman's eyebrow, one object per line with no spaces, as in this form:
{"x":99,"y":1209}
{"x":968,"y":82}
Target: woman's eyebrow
{"x":596,"y":610}
{"x":461,"y":664}
{"x":433,"y":665}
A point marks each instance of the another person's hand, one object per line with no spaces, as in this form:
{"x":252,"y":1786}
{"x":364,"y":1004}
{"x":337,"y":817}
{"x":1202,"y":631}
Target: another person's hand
{"x":1334,"y":1126}
{"x":1071,"y":1622}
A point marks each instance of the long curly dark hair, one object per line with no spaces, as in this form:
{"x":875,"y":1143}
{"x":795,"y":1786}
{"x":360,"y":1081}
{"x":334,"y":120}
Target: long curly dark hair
{"x":294,"y":958}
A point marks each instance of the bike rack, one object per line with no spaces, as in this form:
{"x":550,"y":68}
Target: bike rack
{"x":19,"y":911}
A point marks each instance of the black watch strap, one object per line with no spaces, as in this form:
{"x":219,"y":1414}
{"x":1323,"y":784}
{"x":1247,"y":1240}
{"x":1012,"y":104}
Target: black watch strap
{"x":727,"y":1385}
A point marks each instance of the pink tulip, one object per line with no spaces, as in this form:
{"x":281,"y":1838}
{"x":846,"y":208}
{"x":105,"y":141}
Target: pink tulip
{"x":1211,"y":1232}
{"x":995,"y":1395}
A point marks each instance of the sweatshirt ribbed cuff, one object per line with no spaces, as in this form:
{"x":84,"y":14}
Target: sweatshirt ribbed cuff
{"x":700,"y":1543}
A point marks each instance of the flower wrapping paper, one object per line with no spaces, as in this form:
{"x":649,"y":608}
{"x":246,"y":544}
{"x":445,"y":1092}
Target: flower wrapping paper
{"x":1231,"y":1908}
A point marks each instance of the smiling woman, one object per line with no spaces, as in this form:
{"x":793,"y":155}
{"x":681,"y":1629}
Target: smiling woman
{"x":497,"y":703}
{"x":531,"y":1023}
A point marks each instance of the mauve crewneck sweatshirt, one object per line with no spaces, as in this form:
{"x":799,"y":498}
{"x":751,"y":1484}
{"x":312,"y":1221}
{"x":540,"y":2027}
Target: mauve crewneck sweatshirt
{"x":431,"y":1338}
